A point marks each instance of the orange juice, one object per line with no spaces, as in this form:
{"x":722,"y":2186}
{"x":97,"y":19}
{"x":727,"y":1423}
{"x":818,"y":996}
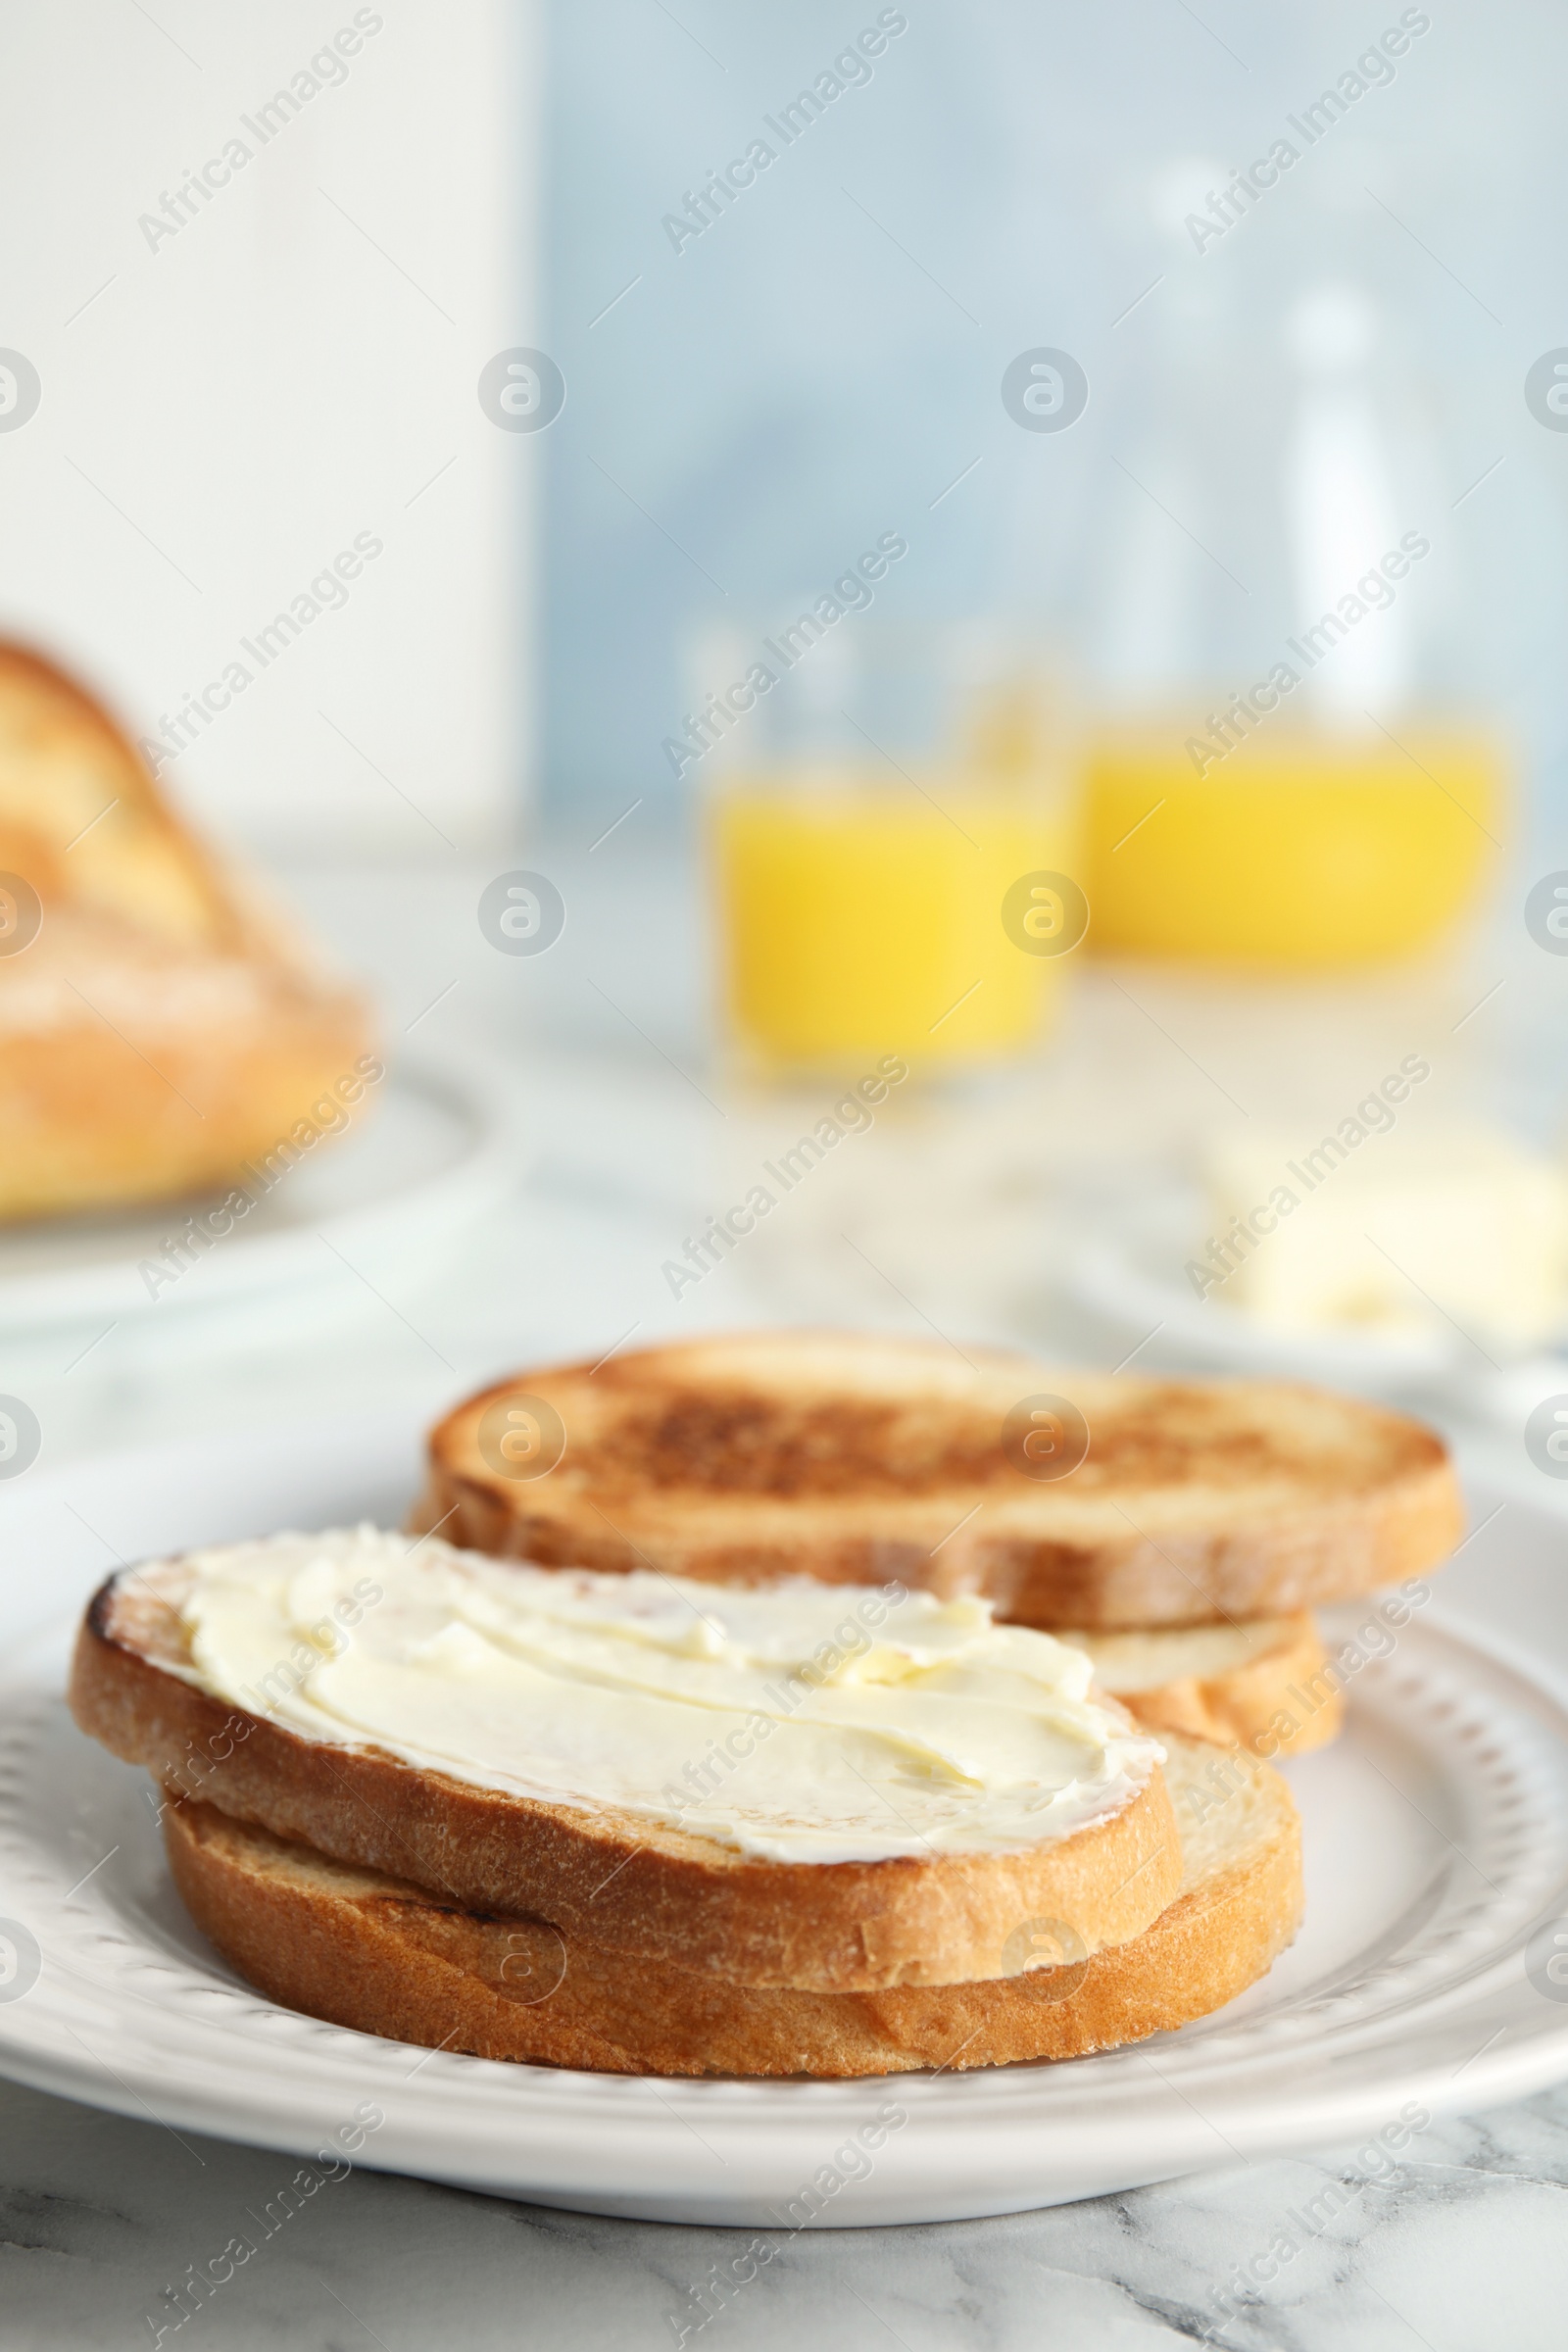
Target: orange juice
{"x":1295,"y":851}
{"x":859,"y":920}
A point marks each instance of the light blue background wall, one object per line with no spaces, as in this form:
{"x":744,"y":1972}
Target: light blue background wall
{"x":825,"y":359}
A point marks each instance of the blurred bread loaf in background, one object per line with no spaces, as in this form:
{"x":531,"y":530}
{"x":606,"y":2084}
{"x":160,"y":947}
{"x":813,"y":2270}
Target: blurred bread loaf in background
{"x":158,"y":1024}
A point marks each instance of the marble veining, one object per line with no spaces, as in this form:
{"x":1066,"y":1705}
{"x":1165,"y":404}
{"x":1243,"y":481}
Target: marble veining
{"x":1460,"y":2244}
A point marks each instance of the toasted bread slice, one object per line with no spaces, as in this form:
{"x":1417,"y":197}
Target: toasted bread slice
{"x":647,"y":1892}
{"x":852,"y":1457}
{"x":158,"y":1029}
{"x":387,"y":1957}
{"x":1264,"y":1680}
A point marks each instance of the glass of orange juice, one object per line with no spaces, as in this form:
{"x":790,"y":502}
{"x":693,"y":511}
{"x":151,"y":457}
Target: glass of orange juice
{"x":1301,"y":848}
{"x":895,"y":847}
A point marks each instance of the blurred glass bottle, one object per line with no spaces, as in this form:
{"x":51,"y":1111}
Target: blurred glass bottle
{"x":1273,"y":778}
{"x":867,"y":817}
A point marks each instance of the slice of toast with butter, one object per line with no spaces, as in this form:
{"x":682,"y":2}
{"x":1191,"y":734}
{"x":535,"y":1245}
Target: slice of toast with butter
{"x":793,"y":1788}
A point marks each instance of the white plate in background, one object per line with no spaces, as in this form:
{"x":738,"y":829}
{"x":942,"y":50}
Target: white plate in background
{"x":437,"y":1148}
{"x":1436,"y":1854}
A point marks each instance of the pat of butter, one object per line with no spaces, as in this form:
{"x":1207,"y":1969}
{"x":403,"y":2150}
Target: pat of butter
{"x":1398,"y":1231}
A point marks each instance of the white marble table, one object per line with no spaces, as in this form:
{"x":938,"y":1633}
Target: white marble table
{"x":632,"y":1136}
{"x":1464,"y":2248}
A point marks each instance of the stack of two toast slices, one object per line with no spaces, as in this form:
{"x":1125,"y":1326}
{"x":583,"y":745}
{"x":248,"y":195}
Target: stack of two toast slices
{"x":633,"y":1824}
{"x":726,"y":1785}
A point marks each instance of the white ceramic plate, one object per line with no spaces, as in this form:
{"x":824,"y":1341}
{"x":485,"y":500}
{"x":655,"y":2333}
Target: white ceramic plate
{"x":434,"y":1153}
{"x":1436,"y":1843}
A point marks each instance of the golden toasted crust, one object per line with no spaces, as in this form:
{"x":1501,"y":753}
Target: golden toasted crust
{"x":851,"y":1457}
{"x":159,"y":1030}
{"x":651,"y":1892}
{"x":1281,"y":1700}
{"x":384,"y":1955}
